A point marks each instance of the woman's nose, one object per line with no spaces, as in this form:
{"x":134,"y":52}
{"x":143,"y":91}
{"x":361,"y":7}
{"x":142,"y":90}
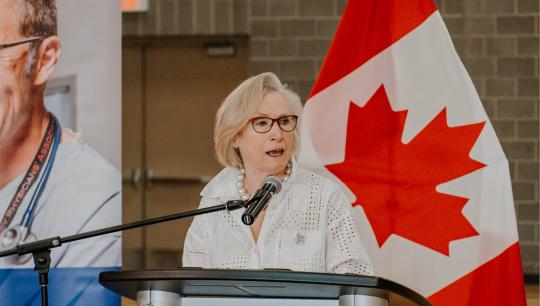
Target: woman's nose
{"x":275,"y":131}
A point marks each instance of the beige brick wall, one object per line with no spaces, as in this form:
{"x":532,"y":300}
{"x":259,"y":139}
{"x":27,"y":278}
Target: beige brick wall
{"x":496,"y":39}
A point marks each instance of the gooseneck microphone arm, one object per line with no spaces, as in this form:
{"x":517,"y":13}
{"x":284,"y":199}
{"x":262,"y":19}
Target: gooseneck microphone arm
{"x":41,"y":249}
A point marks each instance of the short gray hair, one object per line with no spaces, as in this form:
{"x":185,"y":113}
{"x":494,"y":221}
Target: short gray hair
{"x":36,"y":18}
{"x":240,"y":105}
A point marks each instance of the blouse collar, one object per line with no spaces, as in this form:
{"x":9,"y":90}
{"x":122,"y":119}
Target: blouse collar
{"x":223,"y":185}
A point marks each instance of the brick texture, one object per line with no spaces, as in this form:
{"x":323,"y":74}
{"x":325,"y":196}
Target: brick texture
{"x":497,"y":41}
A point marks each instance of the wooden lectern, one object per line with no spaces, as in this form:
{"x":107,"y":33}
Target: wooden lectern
{"x":197,"y":287}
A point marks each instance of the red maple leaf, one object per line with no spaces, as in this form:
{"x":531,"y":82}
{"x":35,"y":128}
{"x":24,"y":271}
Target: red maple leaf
{"x":395,"y":182}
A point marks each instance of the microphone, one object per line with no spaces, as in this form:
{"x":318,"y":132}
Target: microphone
{"x":260,"y":199}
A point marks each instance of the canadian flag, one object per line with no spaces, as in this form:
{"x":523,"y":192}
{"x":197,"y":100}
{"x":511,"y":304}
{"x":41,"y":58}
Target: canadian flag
{"x":395,"y":119}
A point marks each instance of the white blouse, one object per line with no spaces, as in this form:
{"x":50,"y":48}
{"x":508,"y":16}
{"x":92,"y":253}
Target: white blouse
{"x":308,"y":226}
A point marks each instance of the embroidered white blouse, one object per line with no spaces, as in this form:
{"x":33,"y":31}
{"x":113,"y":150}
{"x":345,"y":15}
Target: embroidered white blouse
{"x":308,"y":226}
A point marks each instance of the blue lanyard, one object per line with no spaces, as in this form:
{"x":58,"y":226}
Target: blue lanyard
{"x":27,"y":218}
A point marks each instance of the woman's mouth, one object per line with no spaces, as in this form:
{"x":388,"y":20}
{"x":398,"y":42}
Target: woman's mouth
{"x":275,"y":153}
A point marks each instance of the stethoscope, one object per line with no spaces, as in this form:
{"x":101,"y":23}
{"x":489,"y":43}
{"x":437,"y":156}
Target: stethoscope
{"x":22,"y":233}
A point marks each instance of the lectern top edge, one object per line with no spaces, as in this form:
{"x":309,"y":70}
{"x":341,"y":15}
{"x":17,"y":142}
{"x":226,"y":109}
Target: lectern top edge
{"x":191,"y":282}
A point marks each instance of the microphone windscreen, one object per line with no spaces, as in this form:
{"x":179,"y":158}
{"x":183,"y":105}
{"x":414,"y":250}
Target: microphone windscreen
{"x":274,"y":181}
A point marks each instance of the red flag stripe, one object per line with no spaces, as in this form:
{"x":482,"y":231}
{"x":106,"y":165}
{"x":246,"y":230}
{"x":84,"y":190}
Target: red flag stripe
{"x":499,"y":282}
{"x":367,"y":28}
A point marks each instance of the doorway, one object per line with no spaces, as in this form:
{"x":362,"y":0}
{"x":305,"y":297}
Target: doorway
{"x":171,"y":89}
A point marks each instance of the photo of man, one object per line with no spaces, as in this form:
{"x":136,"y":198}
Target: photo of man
{"x":51,"y":182}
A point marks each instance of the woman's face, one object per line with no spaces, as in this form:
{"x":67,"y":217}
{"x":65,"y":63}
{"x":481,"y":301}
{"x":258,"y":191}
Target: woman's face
{"x":266,"y":153}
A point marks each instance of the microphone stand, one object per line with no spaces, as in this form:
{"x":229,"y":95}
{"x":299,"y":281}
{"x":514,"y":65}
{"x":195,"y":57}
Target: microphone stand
{"x":41,"y":249}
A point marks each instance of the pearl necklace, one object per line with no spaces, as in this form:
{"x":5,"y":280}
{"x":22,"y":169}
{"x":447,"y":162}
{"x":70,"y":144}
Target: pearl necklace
{"x":242,"y":192}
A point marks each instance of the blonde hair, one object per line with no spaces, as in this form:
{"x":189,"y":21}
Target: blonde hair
{"x":240,"y":105}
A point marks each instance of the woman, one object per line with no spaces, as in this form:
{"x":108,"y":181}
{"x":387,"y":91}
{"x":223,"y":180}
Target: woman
{"x":307,"y":226}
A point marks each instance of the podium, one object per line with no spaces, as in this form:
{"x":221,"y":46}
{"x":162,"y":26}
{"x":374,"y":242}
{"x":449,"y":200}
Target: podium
{"x":197,"y":287}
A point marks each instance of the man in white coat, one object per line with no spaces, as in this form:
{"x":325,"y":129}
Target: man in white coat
{"x":51,"y":184}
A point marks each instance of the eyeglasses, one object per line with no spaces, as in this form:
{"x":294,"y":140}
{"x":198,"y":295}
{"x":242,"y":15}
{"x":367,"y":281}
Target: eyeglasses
{"x":19,"y":42}
{"x":265,"y":124}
